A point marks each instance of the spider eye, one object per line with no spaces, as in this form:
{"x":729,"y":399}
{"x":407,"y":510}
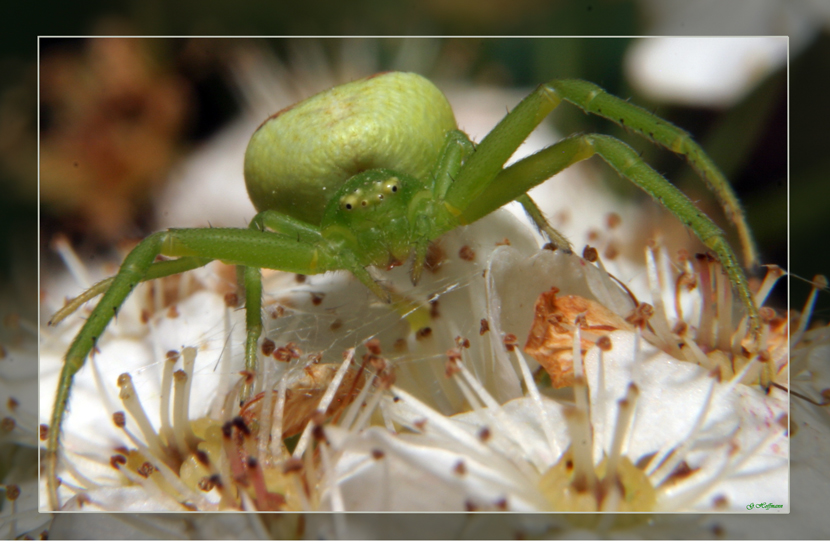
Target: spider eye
{"x":364,"y":203}
{"x":380,"y":196}
{"x":349,"y":202}
{"x":391,"y":185}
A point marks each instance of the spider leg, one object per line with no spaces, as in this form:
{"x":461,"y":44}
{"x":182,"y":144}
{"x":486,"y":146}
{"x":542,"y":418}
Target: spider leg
{"x":250,"y":248}
{"x":497,"y":147}
{"x":556,"y":238}
{"x":534,"y":169}
{"x":593,"y":99}
{"x":493,"y":152}
{"x":251,"y":281}
{"x":159,"y":269}
{"x":458,"y":148}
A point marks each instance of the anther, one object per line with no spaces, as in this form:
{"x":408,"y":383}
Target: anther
{"x":590,"y":254}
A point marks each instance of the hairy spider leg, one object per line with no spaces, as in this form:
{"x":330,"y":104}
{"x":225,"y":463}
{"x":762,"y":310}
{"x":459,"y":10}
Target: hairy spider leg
{"x":457,"y":150}
{"x":593,"y":99}
{"x":499,"y":145}
{"x":159,"y":269}
{"x":484,"y":186}
{"x":250,"y":280}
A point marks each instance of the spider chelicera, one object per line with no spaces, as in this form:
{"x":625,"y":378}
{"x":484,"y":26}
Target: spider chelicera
{"x":369,"y":173}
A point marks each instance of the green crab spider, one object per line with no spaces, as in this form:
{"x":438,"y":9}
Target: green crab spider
{"x":369,"y":173}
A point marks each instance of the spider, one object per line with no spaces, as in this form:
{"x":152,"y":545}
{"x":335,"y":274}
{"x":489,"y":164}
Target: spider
{"x":369,"y":173}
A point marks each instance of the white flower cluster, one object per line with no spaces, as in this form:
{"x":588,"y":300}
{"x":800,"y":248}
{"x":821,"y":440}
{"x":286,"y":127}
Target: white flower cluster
{"x":438,"y":410}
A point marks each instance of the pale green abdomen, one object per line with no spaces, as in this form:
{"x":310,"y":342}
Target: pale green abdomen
{"x":298,"y":159}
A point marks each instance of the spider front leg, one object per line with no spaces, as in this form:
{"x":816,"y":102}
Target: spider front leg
{"x":483,"y":185}
{"x":539,"y":167}
{"x":250,"y":281}
{"x":456,"y":154}
{"x":593,"y":99}
{"x":507,"y":136}
{"x":246,"y":247}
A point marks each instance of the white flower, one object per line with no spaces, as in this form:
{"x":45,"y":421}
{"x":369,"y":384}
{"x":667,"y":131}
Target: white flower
{"x":486,"y":430}
{"x":705,"y":72}
{"x":441,"y":415}
{"x":711,"y":54}
{"x":19,"y":517}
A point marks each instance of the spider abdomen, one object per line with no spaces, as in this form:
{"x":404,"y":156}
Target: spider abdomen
{"x":299,"y":158}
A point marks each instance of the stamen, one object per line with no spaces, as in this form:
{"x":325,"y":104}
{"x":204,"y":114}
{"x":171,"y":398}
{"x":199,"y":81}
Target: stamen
{"x":579,"y":427}
{"x":103,"y":391}
{"x":73,"y":263}
{"x":638,"y":354}
{"x":819,"y":283}
{"x":496,"y":419}
{"x":467,"y":392}
{"x":166,"y":428}
{"x":537,"y":399}
{"x":229,"y":446}
{"x":189,"y":357}
{"x":626,"y":412}
{"x":698,"y":356}
{"x":663,"y":466}
{"x":181,"y":421}
{"x":78,"y":476}
{"x":659,"y":322}
{"x":184,"y":285}
{"x":354,"y":408}
{"x":310,"y":475}
{"x":332,"y":484}
{"x":600,"y":393}
{"x":726,"y":470}
{"x":266,"y":422}
{"x":601,"y":284}
{"x":298,"y":485}
{"x":774,"y":272}
{"x":132,"y":404}
{"x":248,"y":505}
{"x":751,"y":371}
{"x":229,"y":407}
{"x":723,"y":289}
{"x":580,"y":389}
{"x":265,"y":500}
{"x":222,"y":467}
{"x":325,"y":401}
{"x":158,"y":296}
{"x":371,"y":405}
{"x":277,"y":445}
{"x":440,"y":422}
{"x":685,"y":281}
{"x":12,"y":492}
{"x":708,"y":316}
{"x":149,"y":485}
{"x":665,"y":269}
{"x":388,"y":418}
{"x":169,"y":476}
{"x":476,"y":385}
